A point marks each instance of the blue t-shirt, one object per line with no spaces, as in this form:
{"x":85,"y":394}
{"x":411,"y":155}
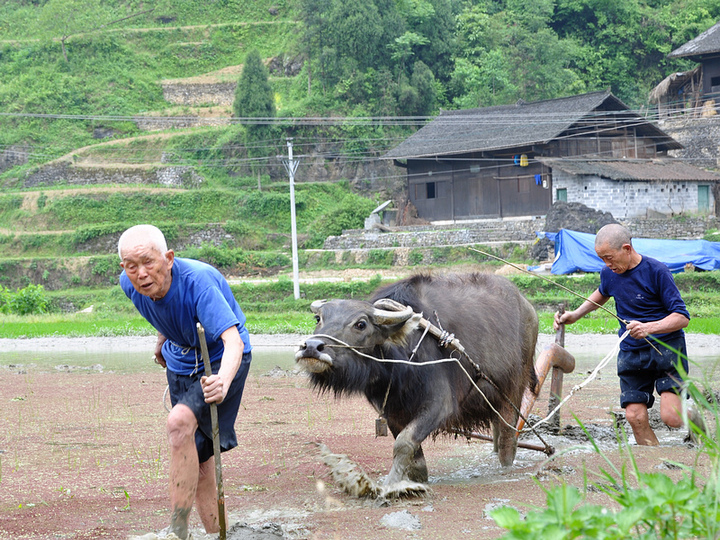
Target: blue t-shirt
{"x":198,"y":292}
{"x":645,"y":293}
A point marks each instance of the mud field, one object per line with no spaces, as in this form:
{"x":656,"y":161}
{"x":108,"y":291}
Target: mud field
{"x":83,"y":452}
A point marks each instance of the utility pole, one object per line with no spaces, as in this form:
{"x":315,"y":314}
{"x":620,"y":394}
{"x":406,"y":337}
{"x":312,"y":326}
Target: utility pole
{"x":291,"y":167}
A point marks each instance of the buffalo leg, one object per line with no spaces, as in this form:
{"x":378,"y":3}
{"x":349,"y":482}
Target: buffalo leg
{"x":504,"y":436}
{"x":408,"y":458}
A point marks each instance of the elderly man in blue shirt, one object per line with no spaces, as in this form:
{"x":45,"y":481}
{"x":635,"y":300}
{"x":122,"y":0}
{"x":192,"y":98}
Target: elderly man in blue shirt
{"x":648,"y":299}
{"x":174,"y":294}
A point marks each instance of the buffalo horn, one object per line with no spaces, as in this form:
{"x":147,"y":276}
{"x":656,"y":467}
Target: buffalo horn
{"x":389,"y":311}
{"x":315,"y":306}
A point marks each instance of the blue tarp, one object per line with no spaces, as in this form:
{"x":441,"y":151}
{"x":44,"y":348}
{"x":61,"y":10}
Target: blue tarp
{"x":575,"y":251}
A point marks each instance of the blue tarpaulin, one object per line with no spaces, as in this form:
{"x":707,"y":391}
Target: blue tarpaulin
{"x":575,"y":251}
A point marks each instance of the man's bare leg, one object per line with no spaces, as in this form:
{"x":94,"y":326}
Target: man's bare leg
{"x":670,"y":409}
{"x":206,"y":500}
{"x":184,"y":467}
{"x":637,"y":416}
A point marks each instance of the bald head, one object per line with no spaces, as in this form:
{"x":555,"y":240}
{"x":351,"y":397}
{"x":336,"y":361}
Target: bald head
{"x":614,"y":235}
{"x":142,"y":235}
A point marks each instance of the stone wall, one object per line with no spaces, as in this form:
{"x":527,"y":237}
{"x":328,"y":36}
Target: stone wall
{"x":13,"y":156}
{"x":149,"y":123}
{"x":679,"y":228}
{"x":64,"y":173}
{"x":199,"y":93}
{"x":700,"y":138}
{"x":499,"y":231}
{"x":480,"y":232}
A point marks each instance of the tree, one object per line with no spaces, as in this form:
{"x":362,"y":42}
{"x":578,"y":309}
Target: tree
{"x":512,"y":53}
{"x":423,"y":81}
{"x":64,"y":18}
{"x":254,"y":98}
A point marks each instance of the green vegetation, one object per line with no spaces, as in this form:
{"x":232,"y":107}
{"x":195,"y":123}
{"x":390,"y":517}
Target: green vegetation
{"x":647,"y":505}
{"x":71,"y":68}
{"x":100,"y":60}
{"x":271,"y":308}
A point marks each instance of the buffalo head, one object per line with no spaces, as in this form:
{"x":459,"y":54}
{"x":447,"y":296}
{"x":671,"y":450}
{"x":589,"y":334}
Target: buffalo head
{"x":348,"y":327}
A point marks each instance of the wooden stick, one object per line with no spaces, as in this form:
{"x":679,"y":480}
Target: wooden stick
{"x":556,"y":383}
{"x":215,"y":437}
{"x":549,"y":450}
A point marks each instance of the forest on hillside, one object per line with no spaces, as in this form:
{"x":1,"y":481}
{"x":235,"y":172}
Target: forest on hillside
{"x":69,"y":66}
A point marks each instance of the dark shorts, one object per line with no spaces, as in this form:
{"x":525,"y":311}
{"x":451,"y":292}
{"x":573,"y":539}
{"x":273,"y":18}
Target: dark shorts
{"x":640,"y":370}
{"x":186,"y":389}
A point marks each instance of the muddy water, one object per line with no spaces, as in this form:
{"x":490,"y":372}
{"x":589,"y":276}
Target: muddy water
{"x":265,"y":359}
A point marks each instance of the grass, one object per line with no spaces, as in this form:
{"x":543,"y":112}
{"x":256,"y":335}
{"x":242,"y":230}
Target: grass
{"x":646,"y":505}
{"x":294,"y":321}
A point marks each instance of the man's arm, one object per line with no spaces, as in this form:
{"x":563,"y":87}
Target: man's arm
{"x":671,"y":323}
{"x":158,"y":350}
{"x":216,"y":387}
{"x":591,"y":304}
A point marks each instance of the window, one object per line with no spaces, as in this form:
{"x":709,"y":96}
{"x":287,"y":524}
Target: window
{"x":561,"y":194}
{"x":430,"y":190}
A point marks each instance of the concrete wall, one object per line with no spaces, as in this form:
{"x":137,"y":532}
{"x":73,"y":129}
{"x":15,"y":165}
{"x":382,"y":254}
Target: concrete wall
{"x":631,"y":199}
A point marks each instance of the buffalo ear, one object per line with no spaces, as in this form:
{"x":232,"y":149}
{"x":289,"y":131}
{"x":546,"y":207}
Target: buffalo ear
{"x":316,"y":305}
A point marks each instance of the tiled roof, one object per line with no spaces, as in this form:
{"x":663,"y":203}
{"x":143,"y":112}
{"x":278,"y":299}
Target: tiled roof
{"x":522,"y":124}
{"x":632,"y":169}
{"x":706,"y":43}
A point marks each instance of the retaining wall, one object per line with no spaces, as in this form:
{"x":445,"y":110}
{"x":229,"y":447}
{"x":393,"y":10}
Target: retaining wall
{"x":199,"y":93}
{"x":520,"y":231}
{"x":65,"y":173}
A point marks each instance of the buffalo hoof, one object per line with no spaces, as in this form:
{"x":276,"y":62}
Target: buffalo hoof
{"x":404,"y":488}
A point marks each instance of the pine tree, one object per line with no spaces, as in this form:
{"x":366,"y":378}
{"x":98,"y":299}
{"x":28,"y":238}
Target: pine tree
{"x":254,"y":99}
{"x":253,"y":95}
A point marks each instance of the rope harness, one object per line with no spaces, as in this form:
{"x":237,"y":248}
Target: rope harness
{"x":448,"y":340}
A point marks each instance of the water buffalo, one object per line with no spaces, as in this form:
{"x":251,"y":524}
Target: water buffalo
{"x":489,"y":317}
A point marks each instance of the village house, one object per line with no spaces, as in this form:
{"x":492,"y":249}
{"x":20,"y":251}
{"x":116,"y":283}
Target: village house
{"x":696,"y":91}
{"x":516,"y":160}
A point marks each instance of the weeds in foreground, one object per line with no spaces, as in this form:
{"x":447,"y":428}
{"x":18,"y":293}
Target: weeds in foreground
{"x":657,"y":508}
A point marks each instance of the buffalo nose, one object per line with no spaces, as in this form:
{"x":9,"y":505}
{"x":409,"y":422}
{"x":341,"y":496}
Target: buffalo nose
{"x":313,"y":346}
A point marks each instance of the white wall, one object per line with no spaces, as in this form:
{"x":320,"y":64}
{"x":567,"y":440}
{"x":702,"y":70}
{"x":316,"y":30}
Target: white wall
{"x":630,"y":199}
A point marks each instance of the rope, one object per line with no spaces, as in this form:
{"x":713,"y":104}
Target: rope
{"x":575,"y":389}
{"x":590,"y":378}
{"x":426,"y":363}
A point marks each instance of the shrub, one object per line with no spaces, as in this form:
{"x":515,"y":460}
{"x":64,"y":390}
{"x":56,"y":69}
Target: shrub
{"x":4,"y":300}
{"x":657,"y":508}
{"x":30,"y":300}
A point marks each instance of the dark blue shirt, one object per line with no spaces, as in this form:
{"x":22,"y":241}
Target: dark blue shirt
{"x":645,"y":293}
{"x":198,"y":292}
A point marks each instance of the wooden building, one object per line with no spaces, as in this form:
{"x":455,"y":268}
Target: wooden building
{"x":489,"y":162}
{"x":696,"y":91}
